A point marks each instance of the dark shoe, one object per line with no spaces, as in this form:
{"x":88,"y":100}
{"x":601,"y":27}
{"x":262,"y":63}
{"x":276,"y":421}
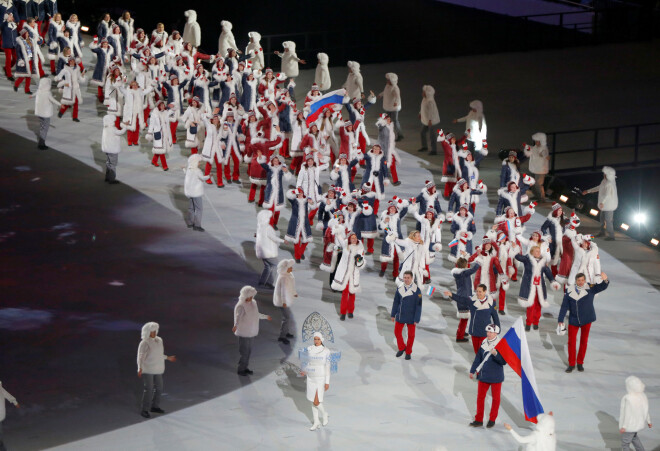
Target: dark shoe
{"x":60,"y":114}
{"x":433,"y":153}
{"x":198,"y":229}
{"x":342,"y":318}
{"x":11,"y":79}
{"x":250,"y":201}
{"x":600,"y":234}
{"x":528,"y":328}
{"x":368,"y":253}
{"x":43,"y":147}
{"x":157,"y":410}
{"x":249,"y":371}
{"x":477,"y":424}
{"x":270,"y":286}
{"x":422,"y":149}
{"x":75,"y":119}
{"x":609,"y":238}
{"x":242,"y":373}
{"x":400,"y":353}
{"x":145,"y":414}
{"x":569,"y":369}
{"x":16,"y":90}
{"x":462,"y":340}
{"x":114,"y":182}
{"x":297,"y":260}
{"x":275,"y":227}
{"x":396,"y":183}
{"x":501,"y":312}
{"x":580,"y":367}
{"x":408,"y":356}
{"x":166,"y":169}
{"x":284,"y":340}
{"x":302,"y":257}
{"x":381,"y":273}
{"x":221,"y":186}
{"x":28,"y":93}
{"x":490,"y":424}
{"x":536,"y":327}
{"x":350,"y":315}
{"x":237,"y":181}
{"x":466,"y":334}
{"x":290,"y":336}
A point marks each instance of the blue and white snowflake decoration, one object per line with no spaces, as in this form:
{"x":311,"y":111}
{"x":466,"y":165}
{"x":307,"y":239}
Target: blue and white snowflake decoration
{"x":315,"y":322}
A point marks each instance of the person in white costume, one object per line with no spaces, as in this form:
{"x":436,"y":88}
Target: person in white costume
{"x":318,"y":379}
{"x":4,"y":395}
{"x":151,"y":366}
{"x":543,"y":438}
{"x":634,"y":414}
{"x":191,"y":31}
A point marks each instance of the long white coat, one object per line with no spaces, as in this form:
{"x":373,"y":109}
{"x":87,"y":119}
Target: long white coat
{"x":475,"y":125}
{"x":290,"y":59}
{"x":267,"y":240}
{"x":110,"y":139}
{"x":133,"y":111}
{"x":226,"y":39}
{"x":44,"y":101}
{"x":254,"y":49}
{"x":69,"y":82}
{"x":413,"y":257}
{"x":193,"y":184}
{"x":191,"y":31}
{"x":348,"y":271}
{"x":285,"y":285}
{"x":634,"y":413}
{"x":4,"y":395}
{"x":318,"y":371}
{"x":353,"y":83}
{"x":538,"y":155}
{"x":159,"y":122}
{"x":322,"y":74}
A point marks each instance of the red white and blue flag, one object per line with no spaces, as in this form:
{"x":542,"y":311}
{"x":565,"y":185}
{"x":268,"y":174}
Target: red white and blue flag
{"x":323,"y":103}
{"x":453,"y":242}
{"x":513,"y":348}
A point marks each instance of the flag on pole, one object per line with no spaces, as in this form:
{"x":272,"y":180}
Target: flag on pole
{"x":430,"y":290}
{"x":514,"y":350}
{"x":324,"y":102}
{"x":453,"y":242}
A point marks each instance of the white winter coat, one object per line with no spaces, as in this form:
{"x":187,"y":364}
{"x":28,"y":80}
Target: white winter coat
{"x":413,"y":257}
{"x":538,"y":155}
{"x":543,"y":438}
{"x":285,"y":285}
{"x":133,"y":112}
{"x":353,"y":83}
{"x":193,"y":185}
{"x":246,"y":318}
{"x":391,"y":93}
{"x":322,"y":75}
{"x":4,"y":395}
{"x":110,"y":139}
{"x":634,"y":414}
{"x":212,"y":141}
{"x":43,"y":103}
{"x":226,"y":39}
{"x":290,"y":59}
{"x":159,"y":122}
{"x":475,"y":125}
{"x":318,"y":372}
{"x":429,"y":110}
{"x":309,"y":181}
{"x":267,"y":240}
{"x":254,"y":49}
{"x":586,"y":262}
{"x":191,"y":31}
{"x":151,"y":356}
{"x":607,"y":194}
{"x":69,"y":82}
{"x":348,"y":271}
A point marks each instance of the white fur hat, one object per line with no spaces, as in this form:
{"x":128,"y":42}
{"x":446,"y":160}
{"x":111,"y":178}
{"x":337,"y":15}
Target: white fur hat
{"x":247,"y":291}
{"x":318,"y":334}
{"x":148,"y":328}
{"x":493,"y":328}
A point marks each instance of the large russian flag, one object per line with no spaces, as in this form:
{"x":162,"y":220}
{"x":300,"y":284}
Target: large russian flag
{"x":324,"y":102}
{"x":513,"y":348}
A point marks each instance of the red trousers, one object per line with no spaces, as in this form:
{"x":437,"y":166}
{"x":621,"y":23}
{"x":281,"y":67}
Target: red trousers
{"x":284,"y":150}
{"x":533,"y":313}
{"x":133,"y":137}
{"x":194,"y":150}
{"x":476,"y":342}
{"x":53,"y":68}
{"x":554,"y":269}
{"x":28,"y":80}
{"x":514,"y":277}
{"x":99,"y":94}
{"x":311,"y":216}
{"x":10,"y":60}
{"x":347,"y":302}
{"x":495,"y":390}
{"x":118,"y":123}
{"x":155,"y":159}
{"x":147,"y":112}
{"x":63,"y":108}
{"x":173,"y":126}
{"x":460,"y":330}
{"x":275,"y":218}
{"x":395,"y":265}
{"x":253,"y":193}
{"x":572,"y":338}
{"x":299,"y":250}
{"x":229,"y":175}
{"x":395,"y":177}
{"x":398,"y":333}
{"x":354,"y":172}
{"x":218,"y":171}
{"x":502,"y":299}
{"x":295,"y":164}
{"x":370,"y":245}
{"x":449,"y":187}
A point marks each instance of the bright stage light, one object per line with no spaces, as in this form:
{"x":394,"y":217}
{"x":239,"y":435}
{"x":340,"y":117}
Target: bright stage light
{"x":593,"y":212}
{"x":654,"y":241}
{"x":563,"y":198}
{"x":625,"y":226}
{"x":640,"y":218}
{"x":84,"y":28}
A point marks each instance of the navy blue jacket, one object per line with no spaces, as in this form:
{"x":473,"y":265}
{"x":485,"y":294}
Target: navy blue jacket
{"x":407,"y":306}
{"x":580,"y":307}
{"x":463,"y":278}
{"x":9,"y":36}
{"x":493,"y":370}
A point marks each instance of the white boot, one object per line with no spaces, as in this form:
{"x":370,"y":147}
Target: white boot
{"x":315,"y":413}
{"x":324,"y":414}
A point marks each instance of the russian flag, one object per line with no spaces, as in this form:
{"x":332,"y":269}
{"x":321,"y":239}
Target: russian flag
{"x":453,"y":242}
{"x":430,"y":291}
{"x":513,"y":348}
{"x":326,"y":101}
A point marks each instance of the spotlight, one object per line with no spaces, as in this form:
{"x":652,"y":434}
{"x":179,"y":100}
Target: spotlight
{"x":654,"y":241}
{"x":84,"y":28}
{"x":563,"y":198}
{"x":640,"y":217}
{"x":625,"y":226}
{"x":593,"y":212}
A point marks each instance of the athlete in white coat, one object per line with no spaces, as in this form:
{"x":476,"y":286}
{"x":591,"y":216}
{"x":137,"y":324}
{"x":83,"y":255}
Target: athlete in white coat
{"x":317,"y":370}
